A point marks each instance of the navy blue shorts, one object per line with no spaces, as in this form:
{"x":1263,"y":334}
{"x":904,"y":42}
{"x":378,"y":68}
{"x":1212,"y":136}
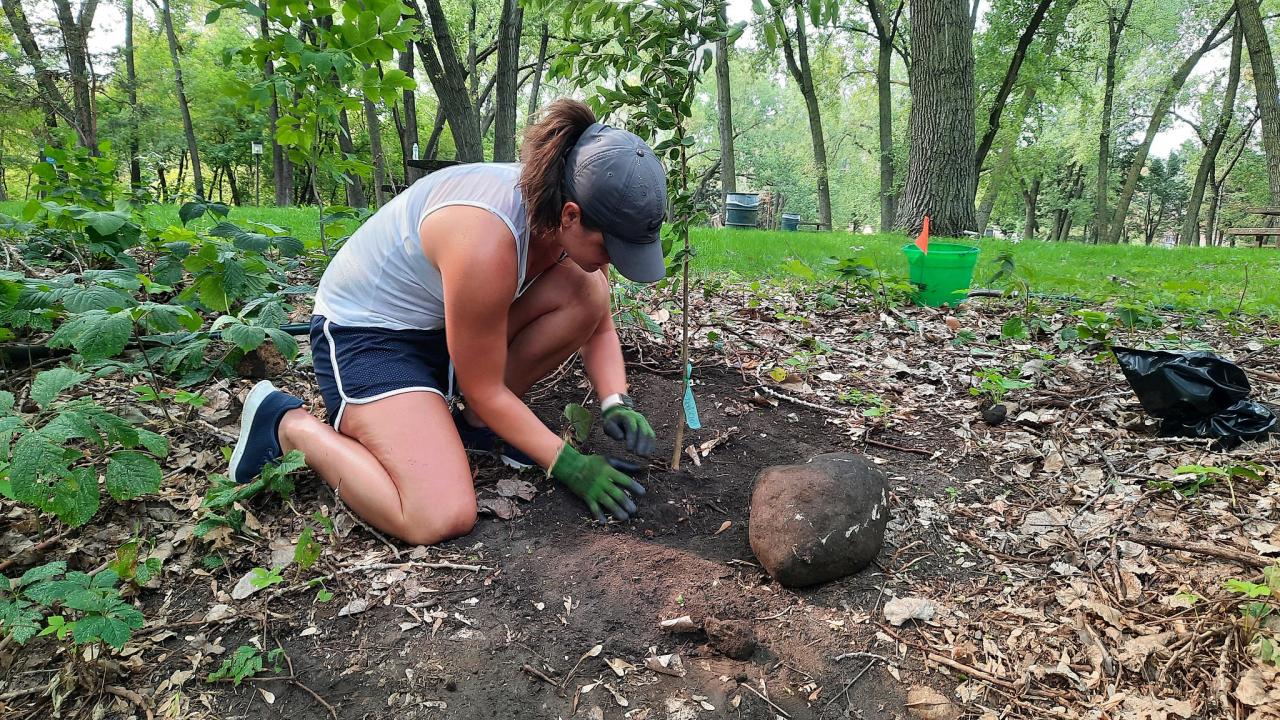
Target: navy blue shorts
{"x":357,"y":365}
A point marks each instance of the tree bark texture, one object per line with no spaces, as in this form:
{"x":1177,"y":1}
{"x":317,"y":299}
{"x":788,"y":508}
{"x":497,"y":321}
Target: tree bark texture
{"x":1115,"y":28}
{"x":1264,"y":82}
{"x":724,"y":106}
{"x":373,"y":123}
{"x":448,"y":78}
{"x":797,"y":59}
{"x":354,"y":185}
{"x":537,"y":71}
{"x":51,"y":97}
{"x":1117,"y":224}
{"x":941,"y":180}
{"x":131,"y":90}
{"x":1030,"y":197}
{"x":995,"y":180}
{"x":1010,"y":77}
{"x":281,"y":167}
{"x":188,"y":128}
{"x":510,"y":26}
{"x":1190,"y":234}
{"x":75,"y":42}
{"x":886,"y":28}
{"x":409,"y":131}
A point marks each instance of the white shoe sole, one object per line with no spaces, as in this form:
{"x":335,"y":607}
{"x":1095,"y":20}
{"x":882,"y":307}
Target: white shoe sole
{"x":251,"y":402}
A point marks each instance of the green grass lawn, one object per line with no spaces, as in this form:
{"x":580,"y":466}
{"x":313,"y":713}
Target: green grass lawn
{"x":1203,"y":278}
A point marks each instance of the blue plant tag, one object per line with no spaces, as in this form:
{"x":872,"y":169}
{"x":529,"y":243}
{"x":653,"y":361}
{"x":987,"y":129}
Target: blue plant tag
{"x":690,"y":408}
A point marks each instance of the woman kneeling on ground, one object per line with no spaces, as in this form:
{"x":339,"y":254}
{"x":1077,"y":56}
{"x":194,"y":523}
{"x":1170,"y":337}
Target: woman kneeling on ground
{"x":494,"y":273}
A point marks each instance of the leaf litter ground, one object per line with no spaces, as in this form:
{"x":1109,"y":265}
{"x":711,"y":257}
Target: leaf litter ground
{"x":1039,"y":557}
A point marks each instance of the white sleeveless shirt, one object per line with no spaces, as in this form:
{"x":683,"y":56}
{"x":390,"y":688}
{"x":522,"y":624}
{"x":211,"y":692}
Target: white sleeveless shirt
{"x":381,"y":278}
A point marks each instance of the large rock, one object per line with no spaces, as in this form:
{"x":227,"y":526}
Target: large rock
{"x":818,"y":521}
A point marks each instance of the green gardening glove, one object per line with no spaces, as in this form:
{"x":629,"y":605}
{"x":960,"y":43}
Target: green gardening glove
{"x":600,"y":481}
{"x":626,"y":423}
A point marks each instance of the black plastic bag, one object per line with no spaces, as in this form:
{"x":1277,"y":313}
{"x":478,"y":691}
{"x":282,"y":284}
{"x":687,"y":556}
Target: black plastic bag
{"x":1196,"y":394}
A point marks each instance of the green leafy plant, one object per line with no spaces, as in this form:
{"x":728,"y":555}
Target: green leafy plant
{"x":224,"y":493}
{"x":873,"y":406}
{"x":580,"y":420}
{"x":51,"y":459}
{"x":245,"y":662}
{"x":131,"y":565}
{"x":86,"y":609}
{"x":1189,"y":480}
{"x":994,"y":385}
{"x":1261,"y":601}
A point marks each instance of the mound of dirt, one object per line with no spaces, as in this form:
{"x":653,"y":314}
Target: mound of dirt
{"x":818,"y":521}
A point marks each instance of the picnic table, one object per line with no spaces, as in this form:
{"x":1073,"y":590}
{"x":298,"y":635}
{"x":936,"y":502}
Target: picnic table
{"x":816,"y":224}
{"x":1261,"y":233}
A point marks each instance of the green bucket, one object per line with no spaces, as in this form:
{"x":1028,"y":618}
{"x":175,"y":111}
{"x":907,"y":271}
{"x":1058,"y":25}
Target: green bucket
{"x":943,"y":276}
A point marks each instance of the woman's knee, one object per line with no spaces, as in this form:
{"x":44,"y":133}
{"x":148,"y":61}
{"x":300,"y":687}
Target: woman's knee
{"x":444,"y":520}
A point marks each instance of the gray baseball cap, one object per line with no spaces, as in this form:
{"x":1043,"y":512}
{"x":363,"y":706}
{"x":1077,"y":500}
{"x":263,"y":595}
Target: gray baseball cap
{"x":622,"y":189}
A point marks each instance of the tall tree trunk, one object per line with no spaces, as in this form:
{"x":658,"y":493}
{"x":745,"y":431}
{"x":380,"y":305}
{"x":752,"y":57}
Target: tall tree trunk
{"x":164,"y":187}
{"x":995,"y":180}
{"x":448,"y":79}
{"x":75,"y":41}
{"x":510,"y":26}
{"x":409,"y":132}
{"x":798,"y":63}
{"x":1115,"y":28}
{"x":1158,"y":113}
{"x":354,"y":185}
{"x":1211,"y":216}
{"x":1264,"y":82}
{"x":50,"y":96}
{"x":1030,"y":198}
{"x":1190,"y":234}
{"x":373,"y":124}
{"x":724,"y":107}
{"x":537,"y":71}
{"x":885,"y":29}
{"x":187,"y":127}
{"x":131,"y":90}
{"x":235,"y":187}
{"x":215,"y":185}
{"x":433,"y":142}
{"x":182,"y":172}
{"x":281,"y":167}
{"x":941,"y":179}
{"x":4,"y":184}
{"x":1006,"y":86}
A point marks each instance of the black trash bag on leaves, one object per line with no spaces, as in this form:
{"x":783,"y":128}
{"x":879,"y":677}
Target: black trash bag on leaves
{"x":1195,"y":394}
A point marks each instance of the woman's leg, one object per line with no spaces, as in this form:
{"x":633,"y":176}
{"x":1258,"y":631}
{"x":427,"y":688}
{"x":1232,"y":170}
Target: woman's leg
{"x":552,"y":320}
{"x":397,"y":463}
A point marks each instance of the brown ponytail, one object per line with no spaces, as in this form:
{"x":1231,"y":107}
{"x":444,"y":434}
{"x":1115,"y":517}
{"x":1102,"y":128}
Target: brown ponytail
{"x":546,"y":143}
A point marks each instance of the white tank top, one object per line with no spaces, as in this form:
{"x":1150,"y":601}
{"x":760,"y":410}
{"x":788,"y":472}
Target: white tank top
{"x":381,"y":278}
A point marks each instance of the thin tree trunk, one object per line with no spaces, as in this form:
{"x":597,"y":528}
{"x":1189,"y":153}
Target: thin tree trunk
{"x":941,"y":179}
{"x":131,"y":90}
{"x":187,"y":127}
{"x":537,"y":72}
{"x":798,"y":63}
{"x":373,"y":124}
{"x":1264,"y":82}
{"x":409,"y":132}
{"x":448,"y":78}
{"x":75,"y":41}
{"x":50,"y":96}
{"x":509,"y":30}
{"x":4,"y":184}
{"x":281,"y":167}
{"x":995,"y":180}
{"x":885,"y":29}
{"x":164,"y":187}
{"x":724,"y":107}
{"x":355,"y":184}
{"x":182,"y":171}
{"x":1190,"y":234}
{"x":1115,"y":28}
{"x":215,"y":185}
{"x":235,"y":188}
{"x":1211,"y":217}
{"x":1158,"y":114}
{"x":1031,"y":197}
{"x":1006,"y":86}
{"x":433,"y":142}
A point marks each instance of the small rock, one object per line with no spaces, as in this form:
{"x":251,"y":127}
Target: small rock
{"x":732,"y":638}
{"x":900,"y":610}
{"x":995,"y":414}
{"x":929,"y":704}
{"x":818,"y":521}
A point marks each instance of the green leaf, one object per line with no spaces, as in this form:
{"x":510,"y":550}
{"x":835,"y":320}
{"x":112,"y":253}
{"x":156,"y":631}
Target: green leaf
{"x":96,"y":334}
{"x":80,"y":299}
{"x":580,"y":418}
{"x":1248,"y":589}
{"x":1014,"y":328}
{"x":284,"y":342}
{"x":246,"y":337}
{"x":289,"y":246}
{"x":101,"y":627}
{"x":41,"y":573}
{"x":190,"y":211}
{"x":307,"y":551}
{"x":130,"y":474}
{"x":50,"y":383}
{"x":778,"y":374}
{"x":797,"y":267}
{"x":155,"y":443}
{"x":6,"y":402}
{"x":105,"y":223}
{"x":35,"y":455}
{"x":76,"y":497}
{"x":19,"y":620}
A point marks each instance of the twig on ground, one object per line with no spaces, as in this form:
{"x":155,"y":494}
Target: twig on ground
{"x":1237,"y":556}
{"x":132,"y":697}
{"x":874,"y":659}
{"x":337,"y":499}
{"x":899,"y":448}
{"x":977,"y":542}
{"x":34,"y":551}
{"x":812,"y":405}
{"x":538,"y":674}
{"x":773,"y":705}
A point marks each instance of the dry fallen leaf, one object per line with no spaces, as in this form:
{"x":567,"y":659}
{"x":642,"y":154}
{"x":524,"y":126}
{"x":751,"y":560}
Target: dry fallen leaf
{"x":666,"y":664}
{"x":684,"y":623}
{"x":723,"y":526}
{"x":619,"y":666}
{"x":900,"y":610}
{"x":928,"y":704}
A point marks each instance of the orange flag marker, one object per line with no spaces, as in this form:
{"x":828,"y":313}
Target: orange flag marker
{"x":922,"y":242}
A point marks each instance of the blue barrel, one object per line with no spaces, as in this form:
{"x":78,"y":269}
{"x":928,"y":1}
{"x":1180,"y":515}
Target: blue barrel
{"x":741,"y":210}
{"x":790,"y":222}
